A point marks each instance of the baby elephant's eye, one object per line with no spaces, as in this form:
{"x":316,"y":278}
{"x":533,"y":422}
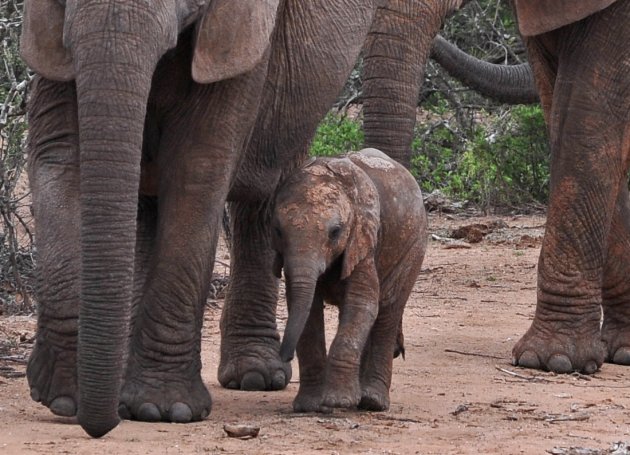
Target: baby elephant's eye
{"x":334,"y":233}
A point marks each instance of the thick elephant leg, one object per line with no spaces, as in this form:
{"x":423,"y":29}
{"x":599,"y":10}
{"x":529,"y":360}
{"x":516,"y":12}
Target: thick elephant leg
{"x":616,"y":291}
{"x":250,"y":342}
{"x":311,"y":353}
{"x":197,"y":159}
{"x":590,"y":143}
{"x":54,"y":177}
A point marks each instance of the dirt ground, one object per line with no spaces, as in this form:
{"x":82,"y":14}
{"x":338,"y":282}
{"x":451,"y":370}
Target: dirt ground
{"x":456,"y":392}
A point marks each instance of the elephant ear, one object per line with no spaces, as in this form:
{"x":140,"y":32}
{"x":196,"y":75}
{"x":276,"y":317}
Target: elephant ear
{"x":232,"y":38}
{"x":365,"y":225}
{"x":41,"y":43}
{"x":540,"y":16}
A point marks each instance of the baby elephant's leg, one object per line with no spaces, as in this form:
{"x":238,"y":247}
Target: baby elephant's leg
{"x":311,"y":353}
{"x":356,"y":318}
{"x":378,"y":356}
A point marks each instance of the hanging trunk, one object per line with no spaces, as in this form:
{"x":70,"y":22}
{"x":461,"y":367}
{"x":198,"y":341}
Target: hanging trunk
{"x":513,"y":84}
{"x":396,"y":52}
{"x":300,"y":293}
{"x":113,"y":80}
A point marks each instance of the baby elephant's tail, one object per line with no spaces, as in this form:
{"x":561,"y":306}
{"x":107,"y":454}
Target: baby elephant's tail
{"x":399,"y":349}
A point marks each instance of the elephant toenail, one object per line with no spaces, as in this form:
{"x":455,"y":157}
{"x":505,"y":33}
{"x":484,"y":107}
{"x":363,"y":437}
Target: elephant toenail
{"x":123,"y":412}
{"x":205,"y":413}
{"x":253,"y":381}
{"x":622,"y":356}
{"x":590,"y":367}
{"x":279,"y":381}
{"x":560,"y":363}
{"x":149,"y":412}
{"x":529,"y":359}
{"x":35,"y":395}
{"x":63,"y":406}
{"x":233,"y":384}
{"x":180,"y":413}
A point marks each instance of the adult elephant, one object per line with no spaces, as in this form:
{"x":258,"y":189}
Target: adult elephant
{"x":144,"y":119}
{"x":579,"y":54}
{"x":582,"y":71}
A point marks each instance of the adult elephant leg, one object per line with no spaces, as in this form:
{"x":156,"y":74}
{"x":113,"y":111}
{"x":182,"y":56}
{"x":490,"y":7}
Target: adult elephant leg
{"x":590,"y":144}
{"x":314,"y":48}
{"x":616,"y":290}
{"x":249,"y":337}
{"x":54,"y":176}
{"x":396,"y":52}
{"x":197,"y":161}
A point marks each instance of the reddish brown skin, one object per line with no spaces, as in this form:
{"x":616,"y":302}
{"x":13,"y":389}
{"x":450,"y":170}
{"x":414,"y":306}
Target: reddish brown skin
{"x":583,"y":75}
{"x":368,"y":271}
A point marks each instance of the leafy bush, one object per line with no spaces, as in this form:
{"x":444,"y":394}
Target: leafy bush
{"x":337,"y":134}
{"x":16,"y":261}
{"x":501,"y":160}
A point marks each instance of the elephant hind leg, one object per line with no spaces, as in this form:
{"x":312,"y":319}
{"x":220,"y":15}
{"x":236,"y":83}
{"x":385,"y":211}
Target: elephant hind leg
{"x":378,"y":356}
{"x":250,"y":343}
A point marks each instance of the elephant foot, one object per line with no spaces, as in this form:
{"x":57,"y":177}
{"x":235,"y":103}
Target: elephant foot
{"x":253,"y":364}
{"x":374,"y":399}
{"x":52,"y":377}
{"x":617,"y":340}
{"x":164,"y":398}
{"x":308,"y":399}
{"x":551,"y":350}
{"x":347,"y":396}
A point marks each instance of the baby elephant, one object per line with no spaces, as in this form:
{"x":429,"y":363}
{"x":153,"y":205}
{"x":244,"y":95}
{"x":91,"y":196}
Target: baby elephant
{"x":352,"y":232}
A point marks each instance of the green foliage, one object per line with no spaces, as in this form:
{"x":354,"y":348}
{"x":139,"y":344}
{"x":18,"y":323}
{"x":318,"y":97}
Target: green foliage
{"x":503,"y":160}
{"x":337,"y":134}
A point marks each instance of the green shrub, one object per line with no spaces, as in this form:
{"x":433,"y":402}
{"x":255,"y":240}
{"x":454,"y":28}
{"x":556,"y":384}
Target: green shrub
{"x":337,"y":134}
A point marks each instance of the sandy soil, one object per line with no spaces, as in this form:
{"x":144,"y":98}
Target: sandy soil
{"x":456,"y":392}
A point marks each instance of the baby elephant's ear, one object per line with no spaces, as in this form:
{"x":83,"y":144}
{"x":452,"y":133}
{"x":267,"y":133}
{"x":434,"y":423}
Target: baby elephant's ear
{"x":278,"y":263}
{"x":366,"y":221}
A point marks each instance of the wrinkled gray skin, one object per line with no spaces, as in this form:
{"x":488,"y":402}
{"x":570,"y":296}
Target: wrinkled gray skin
{"x":352,"y":232}
{"x":131,"y":158}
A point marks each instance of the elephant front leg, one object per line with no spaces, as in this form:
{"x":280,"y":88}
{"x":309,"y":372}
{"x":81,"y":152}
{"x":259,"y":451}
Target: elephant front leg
{"x":356,"y":317}
{"x":163,"y":377}
{"x":590,"y":148}
{"x":54,"y":178}
{"x":311,"y":353}
{"x":250,"y":343}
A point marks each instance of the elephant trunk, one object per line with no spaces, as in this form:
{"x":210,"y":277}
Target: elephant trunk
{"x":396,"y":51}
{"x":301,"y":284}
{"x":113,"y":81}
{"x":513,"y":84}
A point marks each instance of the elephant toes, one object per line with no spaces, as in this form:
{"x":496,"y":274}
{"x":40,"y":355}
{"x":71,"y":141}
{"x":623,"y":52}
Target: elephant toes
{"x":374,"y":401}
{"x":64,"y":406}
{"x":560,"y":354}
{"x":162,"y":401}
{"x":260,"y":368}
{"x":335,"y":397}
{"x":51,"y":374}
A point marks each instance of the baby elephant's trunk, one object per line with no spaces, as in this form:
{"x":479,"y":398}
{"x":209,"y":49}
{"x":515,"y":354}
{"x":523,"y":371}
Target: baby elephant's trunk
{"x":300,"y":293}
